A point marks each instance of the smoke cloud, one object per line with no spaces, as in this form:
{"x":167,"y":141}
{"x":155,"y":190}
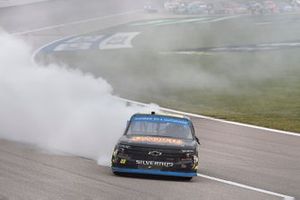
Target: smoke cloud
{"x":57,"y":108}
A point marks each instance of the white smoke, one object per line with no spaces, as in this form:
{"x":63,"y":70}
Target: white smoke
{"x":55,"y":107}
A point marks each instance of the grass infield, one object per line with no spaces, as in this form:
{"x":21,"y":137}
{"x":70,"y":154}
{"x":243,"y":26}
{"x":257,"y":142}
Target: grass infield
{"x":174,"y":66}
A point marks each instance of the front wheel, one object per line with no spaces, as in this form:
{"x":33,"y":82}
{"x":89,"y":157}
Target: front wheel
{"x":186,"y":178}
{"x":117,"y":173}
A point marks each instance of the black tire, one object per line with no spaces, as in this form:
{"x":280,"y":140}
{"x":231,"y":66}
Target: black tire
{"x":187,"y":178}
{"x":117,"y":173}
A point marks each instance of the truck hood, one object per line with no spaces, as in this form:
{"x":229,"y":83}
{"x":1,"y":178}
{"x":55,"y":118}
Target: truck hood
{"x":156,"y":141}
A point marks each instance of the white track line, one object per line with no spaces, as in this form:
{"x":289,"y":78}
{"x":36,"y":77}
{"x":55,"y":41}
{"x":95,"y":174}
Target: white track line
{"x":218,"y":120}
{"x":218,"y":19}
{"x":74,"y":22}
{"x":13,"y":3}
{"x":285,"y":197}
{"x":269,"y":130}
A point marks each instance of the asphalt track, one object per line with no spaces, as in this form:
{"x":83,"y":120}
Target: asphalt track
{"x":232,"y":156}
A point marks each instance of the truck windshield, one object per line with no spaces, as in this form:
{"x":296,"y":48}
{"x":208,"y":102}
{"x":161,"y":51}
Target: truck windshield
{"x":160,"y":126}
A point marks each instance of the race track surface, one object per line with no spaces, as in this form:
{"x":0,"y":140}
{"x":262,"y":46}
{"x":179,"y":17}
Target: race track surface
{"x":259,"y":158}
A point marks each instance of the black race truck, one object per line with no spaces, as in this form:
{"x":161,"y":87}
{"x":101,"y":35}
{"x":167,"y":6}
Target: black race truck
{"x":159,"y":145}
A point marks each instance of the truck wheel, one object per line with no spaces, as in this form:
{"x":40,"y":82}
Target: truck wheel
{"x":187,"y":178}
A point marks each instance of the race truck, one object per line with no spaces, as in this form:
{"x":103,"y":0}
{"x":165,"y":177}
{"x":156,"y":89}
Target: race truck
{"x":157,"y":144}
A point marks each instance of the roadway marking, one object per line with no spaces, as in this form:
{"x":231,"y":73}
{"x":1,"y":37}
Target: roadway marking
{"x":264,"y":23}
{"x":285,"y":197}
{"x":13,"y":3}
{"x":74,"y":23}
{"x":220,"y":19}
{"x":183,"y":21}
{"x":151,"y":22}
{"x":202,"y":20}
{"x":270,"y":130}
{"x":199,"y":53}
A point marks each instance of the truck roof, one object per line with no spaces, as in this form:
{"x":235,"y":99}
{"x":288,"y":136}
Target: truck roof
{"x":163,"y":114}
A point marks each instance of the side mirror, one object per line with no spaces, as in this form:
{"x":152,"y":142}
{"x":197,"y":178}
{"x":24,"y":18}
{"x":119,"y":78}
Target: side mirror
{"x":197,"y":140}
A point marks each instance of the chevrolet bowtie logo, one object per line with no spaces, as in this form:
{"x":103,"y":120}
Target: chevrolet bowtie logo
{"x":154,"y":153}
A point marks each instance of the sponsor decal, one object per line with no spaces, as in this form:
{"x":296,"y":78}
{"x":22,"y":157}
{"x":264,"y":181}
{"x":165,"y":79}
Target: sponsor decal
{"x":157,"y":140}
{"x":162,"y":119}
{"x":123,"y":161}
{"x":154,"y":153}
{"x":195,"y":166}
{"x":154,"y":163}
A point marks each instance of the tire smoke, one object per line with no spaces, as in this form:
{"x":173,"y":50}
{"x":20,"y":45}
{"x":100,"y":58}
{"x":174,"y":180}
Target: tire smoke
{"x":57,"y":108}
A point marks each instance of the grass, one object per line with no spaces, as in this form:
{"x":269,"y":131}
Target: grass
{"x":261,"y":88}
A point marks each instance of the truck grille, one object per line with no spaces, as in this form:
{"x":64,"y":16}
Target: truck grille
{"x":142,"y":153}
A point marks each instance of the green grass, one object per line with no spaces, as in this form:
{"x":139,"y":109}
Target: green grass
{"x":261,"y":88}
